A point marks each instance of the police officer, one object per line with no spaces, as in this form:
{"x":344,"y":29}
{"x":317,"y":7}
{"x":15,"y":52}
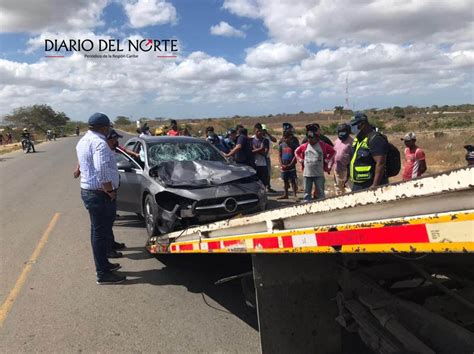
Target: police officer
{"x":369,"y":155}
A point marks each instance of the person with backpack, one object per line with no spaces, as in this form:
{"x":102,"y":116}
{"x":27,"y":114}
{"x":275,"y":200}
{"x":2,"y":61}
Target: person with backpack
{"x":415,"y":162}
{"x":368,"y":166}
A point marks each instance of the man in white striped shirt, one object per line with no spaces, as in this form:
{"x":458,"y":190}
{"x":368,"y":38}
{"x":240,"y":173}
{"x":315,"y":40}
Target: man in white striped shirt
{"x":99,"y":184}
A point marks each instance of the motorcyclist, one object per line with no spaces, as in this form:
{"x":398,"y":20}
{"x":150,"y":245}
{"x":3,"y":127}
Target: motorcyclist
{"x":26,"y":139}
{"x":77,"y":130}
{"x":49,"y":134}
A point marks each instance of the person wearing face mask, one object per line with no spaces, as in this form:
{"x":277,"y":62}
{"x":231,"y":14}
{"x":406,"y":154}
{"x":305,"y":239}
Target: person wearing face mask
{"x":367,"y":167}
{"x":112,"y":142}
{"x":315,"y":156}
{"x":343,"y":148}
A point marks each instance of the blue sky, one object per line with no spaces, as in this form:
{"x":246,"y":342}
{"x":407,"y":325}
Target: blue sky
{"x":246,"y":57}
{"x":192,"y":29}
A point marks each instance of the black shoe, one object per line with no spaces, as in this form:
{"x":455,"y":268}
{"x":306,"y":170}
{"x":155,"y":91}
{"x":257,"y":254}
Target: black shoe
{"x":114,"y":254}
{"x":110,"y":278}
{"x":118,"y":245}
{"x":114,"y":266}
{"x":271,"y":190}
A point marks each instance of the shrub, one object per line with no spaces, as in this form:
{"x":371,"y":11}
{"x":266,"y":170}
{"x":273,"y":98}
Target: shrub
{"x":329,"y":129}
{"x":399,"y":127}
{"x":377,"y":123}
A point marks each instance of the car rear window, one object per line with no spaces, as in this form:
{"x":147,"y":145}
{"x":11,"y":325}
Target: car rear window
{"x":163,"y":152}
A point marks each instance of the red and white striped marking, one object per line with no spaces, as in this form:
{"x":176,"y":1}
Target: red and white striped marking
{"x":437,"y":235}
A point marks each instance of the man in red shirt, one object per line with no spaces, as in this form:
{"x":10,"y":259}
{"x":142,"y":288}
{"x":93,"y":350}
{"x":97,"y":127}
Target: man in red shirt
{"x":415,"y":163}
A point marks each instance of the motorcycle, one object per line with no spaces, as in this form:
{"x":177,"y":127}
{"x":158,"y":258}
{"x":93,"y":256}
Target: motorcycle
{"x":27,"y":145}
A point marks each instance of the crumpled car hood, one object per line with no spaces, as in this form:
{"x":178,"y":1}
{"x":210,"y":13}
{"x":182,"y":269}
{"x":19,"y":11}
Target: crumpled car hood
{"x":199,"y":173}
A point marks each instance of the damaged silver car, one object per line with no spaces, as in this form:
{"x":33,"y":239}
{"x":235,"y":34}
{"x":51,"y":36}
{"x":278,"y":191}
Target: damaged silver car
{"x":181,"y":181}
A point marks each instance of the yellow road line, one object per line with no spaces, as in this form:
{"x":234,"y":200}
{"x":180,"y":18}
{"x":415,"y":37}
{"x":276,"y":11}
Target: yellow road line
{"x":10,"y":300}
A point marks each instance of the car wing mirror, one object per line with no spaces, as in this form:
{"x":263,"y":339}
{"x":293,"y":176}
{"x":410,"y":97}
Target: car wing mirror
{"x":125,"y":165}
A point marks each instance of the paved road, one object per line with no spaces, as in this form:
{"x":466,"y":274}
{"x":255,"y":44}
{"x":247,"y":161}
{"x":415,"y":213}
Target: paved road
{"x":169,"y":305}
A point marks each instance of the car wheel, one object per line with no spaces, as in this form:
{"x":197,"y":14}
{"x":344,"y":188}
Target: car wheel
{"x":150,"y":214}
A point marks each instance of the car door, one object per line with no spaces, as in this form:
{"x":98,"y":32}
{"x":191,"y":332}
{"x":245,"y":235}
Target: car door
{"x":131,"y":181}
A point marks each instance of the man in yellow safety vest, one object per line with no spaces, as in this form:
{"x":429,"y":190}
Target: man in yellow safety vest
{"x":369,"y":155}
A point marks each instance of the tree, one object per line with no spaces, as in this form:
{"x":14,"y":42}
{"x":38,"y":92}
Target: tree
{"x":338,"y":110}
{"x":398,"y":112}
{"x":37,"y":117}
{"x":122,"y":120}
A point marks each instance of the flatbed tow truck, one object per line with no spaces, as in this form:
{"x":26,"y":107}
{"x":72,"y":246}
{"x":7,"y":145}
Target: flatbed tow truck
{"x":385,"y":270}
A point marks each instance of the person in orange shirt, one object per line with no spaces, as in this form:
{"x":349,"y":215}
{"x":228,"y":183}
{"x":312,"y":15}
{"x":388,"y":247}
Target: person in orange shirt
{"x":415,"y":163}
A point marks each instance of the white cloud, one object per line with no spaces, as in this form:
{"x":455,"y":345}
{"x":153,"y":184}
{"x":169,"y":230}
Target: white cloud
{"x":167,"y":98}
{"x":247,"y":8}
{"x":274,"y":54}
{"x":35,"y":16}
{"x":199,"y":83}
{"x":226,"y":30}
{"x":200,"y":67}
{"x":289,"y":94}
{"x":336,"y":22}
{"x":328,"y":94}
{"x":142,"y":13}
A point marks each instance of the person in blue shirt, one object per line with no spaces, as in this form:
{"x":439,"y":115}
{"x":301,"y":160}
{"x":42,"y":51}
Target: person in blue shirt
{"x":215,"y":140}
{"x":229,"y":140}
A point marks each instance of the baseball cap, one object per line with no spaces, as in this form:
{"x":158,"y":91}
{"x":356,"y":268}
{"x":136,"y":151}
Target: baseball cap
{"x":114,"y":135}
{"x":344,"y":127}
{"x":358,"y":118}
{"x":409,"y":136}
{"x":99,"y":120}
{"x":313,"y":127}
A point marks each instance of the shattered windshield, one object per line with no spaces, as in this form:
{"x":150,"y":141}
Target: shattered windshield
{"x":162,"y":152}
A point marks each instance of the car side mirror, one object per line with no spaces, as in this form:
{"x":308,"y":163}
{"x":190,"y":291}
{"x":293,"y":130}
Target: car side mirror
{"x":125,"y":165}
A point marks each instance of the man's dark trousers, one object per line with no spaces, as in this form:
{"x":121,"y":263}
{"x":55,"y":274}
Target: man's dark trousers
{"x":102,"y":212}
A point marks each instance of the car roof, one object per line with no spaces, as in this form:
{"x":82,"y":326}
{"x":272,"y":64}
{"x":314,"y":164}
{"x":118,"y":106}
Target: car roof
{"x":171,"y":139}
